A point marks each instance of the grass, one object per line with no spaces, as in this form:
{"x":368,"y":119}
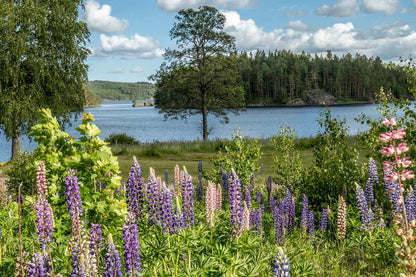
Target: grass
{"x":164,"y":156}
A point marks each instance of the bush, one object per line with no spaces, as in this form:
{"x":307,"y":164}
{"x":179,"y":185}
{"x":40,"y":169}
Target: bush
{"x":120,"y":139}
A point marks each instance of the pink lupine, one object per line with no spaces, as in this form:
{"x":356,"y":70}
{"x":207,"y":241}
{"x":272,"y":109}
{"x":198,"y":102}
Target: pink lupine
{"x":403,"y":147}
{"x":407,"y":174}
{"x":388,"y":165}
{"x":388,"y":151}
{"x":386,"y":122}
{"x":393,"y":122}
{"x":399,"y":134}
{"x":385,"y":137}
{"x":391,"y":177}
{"x":406,"y":162}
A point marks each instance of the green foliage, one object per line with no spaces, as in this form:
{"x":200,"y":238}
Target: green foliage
{"x":91,"y":99}
{"x":283,"y":76}
{"x":287,"y":161}
{"x":122,"y":90}
{"x":97,"y":169}
{"x":120,"y":139}
{"x":42,"y":62}
{"x":202,"y":76}
{"x":242,"y":155}
{"x":335,"y":164}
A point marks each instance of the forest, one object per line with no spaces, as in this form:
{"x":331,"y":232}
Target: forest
{"x":282,"y":76}
{"x":122,"y":90}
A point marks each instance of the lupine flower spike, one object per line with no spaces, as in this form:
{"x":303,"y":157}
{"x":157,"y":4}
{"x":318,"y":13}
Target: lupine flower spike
{"x":281,"y":266}
{"x":305,"y":214}
{"x":341,"y":218}
{"x":131,"y":247}
{"x":112,"y":267}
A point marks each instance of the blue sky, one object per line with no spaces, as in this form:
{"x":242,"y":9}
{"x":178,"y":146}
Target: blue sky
{"x":128,"y":37}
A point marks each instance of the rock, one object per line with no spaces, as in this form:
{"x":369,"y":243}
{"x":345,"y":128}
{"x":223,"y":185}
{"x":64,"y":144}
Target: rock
{"x":143,"y":104}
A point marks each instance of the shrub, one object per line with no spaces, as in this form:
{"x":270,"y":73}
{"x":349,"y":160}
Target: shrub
{"x":120,"y":139}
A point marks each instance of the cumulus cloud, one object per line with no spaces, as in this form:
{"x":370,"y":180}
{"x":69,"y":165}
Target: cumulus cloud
{"x":343,"y":8}
{"x":384,"y":6}
{"x":176,"y":5}
{"x":136,"y":69}
{"x":297,"y":25}
{"x":134,"y":47}
{"x":296,"y":13}
{"x":99,"y":18}
{"x":388,"y":41}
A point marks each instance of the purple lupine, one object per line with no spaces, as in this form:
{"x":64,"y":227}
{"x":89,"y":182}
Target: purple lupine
{"x":256,"y":220}
{"x":289,"y":211}
{"x":112,"y":267}
{"x":259,"y":197}
{"x":152,"y":199}
{"x":324,"y":219}
{"x":251,"y":184}
{"x":247,"y":198}
{"x":369,"y":195}
{"x":365,"y":214}
{"x":178,"y":220}
{"x":73,"y":197}
{"x":279,"y":223}
{"x":135,"y":190}
{"x":393,"y":192}
{"x":311,"y":224}
{"x":167,"y":212}
{"x":37,"y":267}
{"x":235,"y":203}
{"x":305,"y":214}
{"x":225,"y":181}
{"x":188,"y":200}
{"x":372,"y":171}
{"x":96,"y":239}
{"x":272,"y":203}
{"x":281,"y":266}
{"x":44,"y":222}
{"x":131,"y":247}
{"x":410,"y":205}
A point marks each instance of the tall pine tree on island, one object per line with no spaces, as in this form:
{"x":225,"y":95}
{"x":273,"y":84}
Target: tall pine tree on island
{"x":42,"y":62}
{"x":201,"y":74}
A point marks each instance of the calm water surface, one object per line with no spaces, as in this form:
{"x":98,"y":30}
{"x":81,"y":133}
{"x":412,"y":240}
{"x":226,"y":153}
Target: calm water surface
{"x":146,"y":124}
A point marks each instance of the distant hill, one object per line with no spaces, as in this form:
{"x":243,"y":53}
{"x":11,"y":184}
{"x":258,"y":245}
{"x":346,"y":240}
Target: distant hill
{"x":108,"y":90}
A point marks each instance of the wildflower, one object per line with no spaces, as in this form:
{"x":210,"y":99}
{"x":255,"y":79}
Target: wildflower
{"x":236,"y":207}
{"x":37,"y":267}
{"x":386,"y":122}
{"x":365,"y":214}
{"x":388,"y":165}
{"x":372,"y":171}
{"x":385,"y":137}
{"x":218,"y":198}
{"x":259,"y":197}
{"x":41,"y":180}
{"x":131,"y":247}
{"x":246,"y":218}
{"x":96,"y":239}
{"x":341,"y":218}
{"x":167,"y":211}
{"x":407,"y":174}
{"x":281,"y":266}
{"x":387,"y":151}
{"x":406,"y":162}
{"x":210,"y":203}
{"x":188,"y":200}
{"x":311,"y":224}
{"x":289,"y":211}
{"x":305,"y":214}
{"x":247,"y":197}
{"x":369,"y":194}
{"x":152,"y":199}
{"x":135,"y":190}
{"x":324,"y":220}
{"x":112,"y":267}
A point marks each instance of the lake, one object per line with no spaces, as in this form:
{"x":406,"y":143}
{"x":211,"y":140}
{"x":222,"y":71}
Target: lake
{"x":146,"y":124}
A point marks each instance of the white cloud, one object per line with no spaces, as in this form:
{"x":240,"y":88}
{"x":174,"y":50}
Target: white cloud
{"x":343,"y":8}
{"x":296,"y":13}
{"x":99,"y":18}
{"x":136,"y":69}
{"x":384,"y":6}
{"x":388,"y":41}
{"x":297,"y":25}
{"x":176,"y":5}
{"x":135,"y":47}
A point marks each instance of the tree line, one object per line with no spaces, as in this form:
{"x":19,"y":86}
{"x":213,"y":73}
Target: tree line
{"x":122,"y":90}
{"x":282,"y":76}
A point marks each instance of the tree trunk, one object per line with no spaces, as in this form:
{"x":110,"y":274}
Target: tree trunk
{"x":15,"y":142}
{"x":204,"y":120}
